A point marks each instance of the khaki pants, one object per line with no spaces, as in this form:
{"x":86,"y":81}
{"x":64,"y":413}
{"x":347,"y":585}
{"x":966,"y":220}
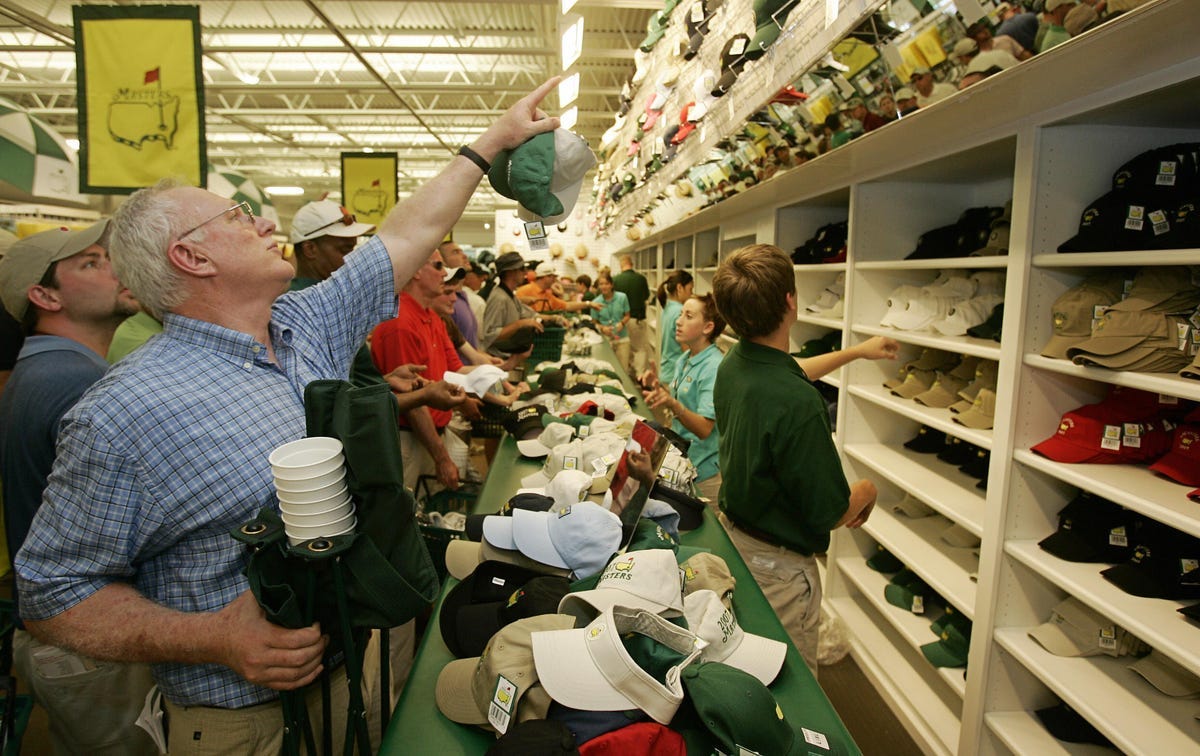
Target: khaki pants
{"x":417,"y":461}
{"x":621,"y":349}
{"x":791,"y":584}
{"x":710,"y":489}
{"x":258,"y":730}
{"x":92,"y":705}
{"x":639,"y":344}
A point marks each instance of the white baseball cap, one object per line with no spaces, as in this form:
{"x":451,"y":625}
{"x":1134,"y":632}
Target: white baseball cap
{"x":716,"y":623}
{"x":545,"y":269}
{"x":649,"y":579}
{"x":325,"y":218}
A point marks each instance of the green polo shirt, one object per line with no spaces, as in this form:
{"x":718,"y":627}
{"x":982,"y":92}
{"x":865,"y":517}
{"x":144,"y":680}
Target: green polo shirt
{"x":780,"y":470}
{"x":636,"y":289}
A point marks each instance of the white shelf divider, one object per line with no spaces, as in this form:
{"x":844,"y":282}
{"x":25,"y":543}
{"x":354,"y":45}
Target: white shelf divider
{"x":934,"y":482}
{"x":931,"y":416}
{"x":1159,"y":383}
{"x":985,"y":348}
{"x":918,"y":544}
{"x":821,"y":268}
{"x":935,"y":264}
{"x":930,"y":720}
{"x":1128,"y":710}
{"x":914,"y":628}
{"x":1112,"y":259}
{"x":836,"y":324}
{"x":1131,"y":486}
{"x":1154,"y":621}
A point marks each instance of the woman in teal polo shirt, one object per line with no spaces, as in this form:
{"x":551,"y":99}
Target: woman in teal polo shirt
{"x":690,"y":394}
{"x":612,"y":316}
{"x":671,"y":295}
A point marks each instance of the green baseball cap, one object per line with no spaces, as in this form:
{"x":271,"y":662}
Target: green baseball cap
{"x":648,"y":534}
{"x":908,"y":592}
{"x":885,"y":561}
{"x":656,"y":27}
{"x":769,"y":17}
{"x":543,"y":174}
{"x":952,"y":648}
{"x":737,"y":709}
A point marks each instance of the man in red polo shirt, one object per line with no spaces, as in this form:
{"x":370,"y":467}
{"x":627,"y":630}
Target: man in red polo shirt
{"x":418,"y":337}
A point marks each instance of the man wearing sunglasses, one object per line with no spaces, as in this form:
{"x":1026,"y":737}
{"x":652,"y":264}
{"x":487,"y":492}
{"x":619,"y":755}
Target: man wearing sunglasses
{"x":129,"y":557}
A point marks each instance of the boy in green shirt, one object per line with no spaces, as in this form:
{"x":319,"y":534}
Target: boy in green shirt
{"x":783,"y":489}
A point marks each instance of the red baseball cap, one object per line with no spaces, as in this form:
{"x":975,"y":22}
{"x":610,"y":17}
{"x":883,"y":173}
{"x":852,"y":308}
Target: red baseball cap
{"x":1105,"y":434}
{"x":640,"y":739}
{"x":1135,"y":404}
{"x":1182,"y":463}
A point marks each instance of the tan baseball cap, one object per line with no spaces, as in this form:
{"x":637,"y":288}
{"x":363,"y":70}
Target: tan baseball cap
{"x":1076,"y":311}
{"x":28,"y":260}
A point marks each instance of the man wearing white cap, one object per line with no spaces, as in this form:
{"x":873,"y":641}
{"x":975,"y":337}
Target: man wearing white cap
{"x":323,"y":233}
{"x":928,"y":91}
{"x":59,"y":285}
{"x":129,"y":556}
{"x":539,"y":293}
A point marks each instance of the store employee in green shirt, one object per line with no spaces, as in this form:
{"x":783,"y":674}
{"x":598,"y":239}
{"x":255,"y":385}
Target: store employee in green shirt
{"x":637,"y":290}
{"x":690,"y":395}
{"x":783,"y":488}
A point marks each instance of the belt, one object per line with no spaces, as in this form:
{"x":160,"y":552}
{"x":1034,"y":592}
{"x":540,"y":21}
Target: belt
{"x":763,"y":536}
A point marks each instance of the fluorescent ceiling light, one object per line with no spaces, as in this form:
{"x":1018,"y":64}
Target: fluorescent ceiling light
{"x":568,"y":90}
{"x":572,"y":39}
{"x":568,"y":118}
{"x":567,"y":5}
{"x":284,"y":191}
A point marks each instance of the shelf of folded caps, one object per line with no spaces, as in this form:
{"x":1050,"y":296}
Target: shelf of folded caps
{"x":990,"y":261}
{"x":815,"y":318}
{"x":903,"y":676}
{"x":1136,"y":717}
{"x":914,"y":628}
{"x":933,"y":417}
{"x":1159,"y":383}
{"x":1022,"y":733}
{"x":985,"y":348}
{"x":917,"y":543}
{"x":1132,"y":486}
{"x":1137,"y":258}
{"x":1155,"y":621}
{"x":939,"y":484}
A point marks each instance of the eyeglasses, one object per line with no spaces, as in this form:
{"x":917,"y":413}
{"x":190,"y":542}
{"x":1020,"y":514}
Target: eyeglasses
{"x":247,"y":212}
{"x":437,"y":264}
{"x":347,"y":219}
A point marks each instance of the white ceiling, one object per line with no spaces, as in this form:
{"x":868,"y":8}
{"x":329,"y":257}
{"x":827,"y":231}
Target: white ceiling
{"x":448,"y":69}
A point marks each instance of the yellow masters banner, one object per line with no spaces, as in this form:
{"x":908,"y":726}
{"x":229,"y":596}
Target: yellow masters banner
{"x":140,"y":96}
{"x":369,"y":187}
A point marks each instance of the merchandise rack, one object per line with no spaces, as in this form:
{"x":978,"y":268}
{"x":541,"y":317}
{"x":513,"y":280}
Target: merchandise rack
{"x":1048,"y":134}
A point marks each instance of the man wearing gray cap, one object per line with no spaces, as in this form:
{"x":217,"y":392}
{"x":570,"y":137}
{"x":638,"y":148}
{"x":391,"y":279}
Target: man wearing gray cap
{"x":323,"y":233}
{"x":59,"y":285}
{"x":130,"y":555}
{"x":504,"y":314}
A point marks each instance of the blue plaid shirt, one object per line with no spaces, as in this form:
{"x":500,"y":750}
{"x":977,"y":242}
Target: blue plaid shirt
{"x":168,"y":452}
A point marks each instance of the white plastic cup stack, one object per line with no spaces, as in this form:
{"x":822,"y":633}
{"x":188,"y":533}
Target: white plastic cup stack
{"x":310,"y":480}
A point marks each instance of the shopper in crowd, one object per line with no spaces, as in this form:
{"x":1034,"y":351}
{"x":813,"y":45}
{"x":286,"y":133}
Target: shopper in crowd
{"x":129,"y":557}
{"x":60,"y":286}
{"x":584,"y":284}
{"x":504,"y":314}
{"x":636,"y":289}
{"x":1015,"y":22}
{"x":1054,"y":15}
{"x":886,"y":106}
{"x":783,"y":488}
{"x":540,"y":296}
{"x":857,"y":109}
{"x":929,"y":92}
{"x":981,"y":33}
{"x":463,"y":317}
{"x":969,"y":55}
{"x":473,"y":282}
{"x":906,"y":101}
{"x":134,"y":331}
{"x":613,"y":316}
{"x":322,"y":234}
{"x":1082,"y":17}
{"x":689,"y":393}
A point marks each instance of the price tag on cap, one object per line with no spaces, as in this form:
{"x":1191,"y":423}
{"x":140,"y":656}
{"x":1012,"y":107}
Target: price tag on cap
{"x":1112,"y":438}
{"x":535,"y":232}
{"x":815,"y":738}
{"x":500,"y":708}
{"x":1166,"y":173}
{"x":1134,"y":220}
{"x":1108,"y":638}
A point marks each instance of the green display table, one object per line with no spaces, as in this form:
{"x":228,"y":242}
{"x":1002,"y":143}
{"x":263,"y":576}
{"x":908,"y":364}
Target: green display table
{"x":418,"y":727}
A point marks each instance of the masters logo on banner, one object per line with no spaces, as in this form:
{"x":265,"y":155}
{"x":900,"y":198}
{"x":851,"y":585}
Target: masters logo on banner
{"x":140,"y":96}
{"x":369,"y":188}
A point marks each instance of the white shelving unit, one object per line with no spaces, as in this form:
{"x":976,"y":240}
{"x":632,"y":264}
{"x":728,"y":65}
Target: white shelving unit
{"x":1048,"y":136}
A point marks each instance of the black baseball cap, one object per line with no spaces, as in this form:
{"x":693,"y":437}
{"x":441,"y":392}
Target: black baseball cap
{"x":1165,"y":564}
{"x":955,"y":451}
{"x":1092,"y":529}
{"x":1066,"y":724}
{"x":927,"y":441}
{"x":525,"y":422}
{"x":733,"y":60}
{"x":1160,"y":169}
{"x":533,"y":502}
{"x":542,"y":737}
{"x":1123,"y":220}
{"x":698,"y":16}
{"x":974,"y":228}
{"x":689,"y":508}
{"x":468,"y":622}
{"x":990,"y":328}
{"x":977,"y":464}
{"x":937,"y":243}
{"x":1192,"y":611}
